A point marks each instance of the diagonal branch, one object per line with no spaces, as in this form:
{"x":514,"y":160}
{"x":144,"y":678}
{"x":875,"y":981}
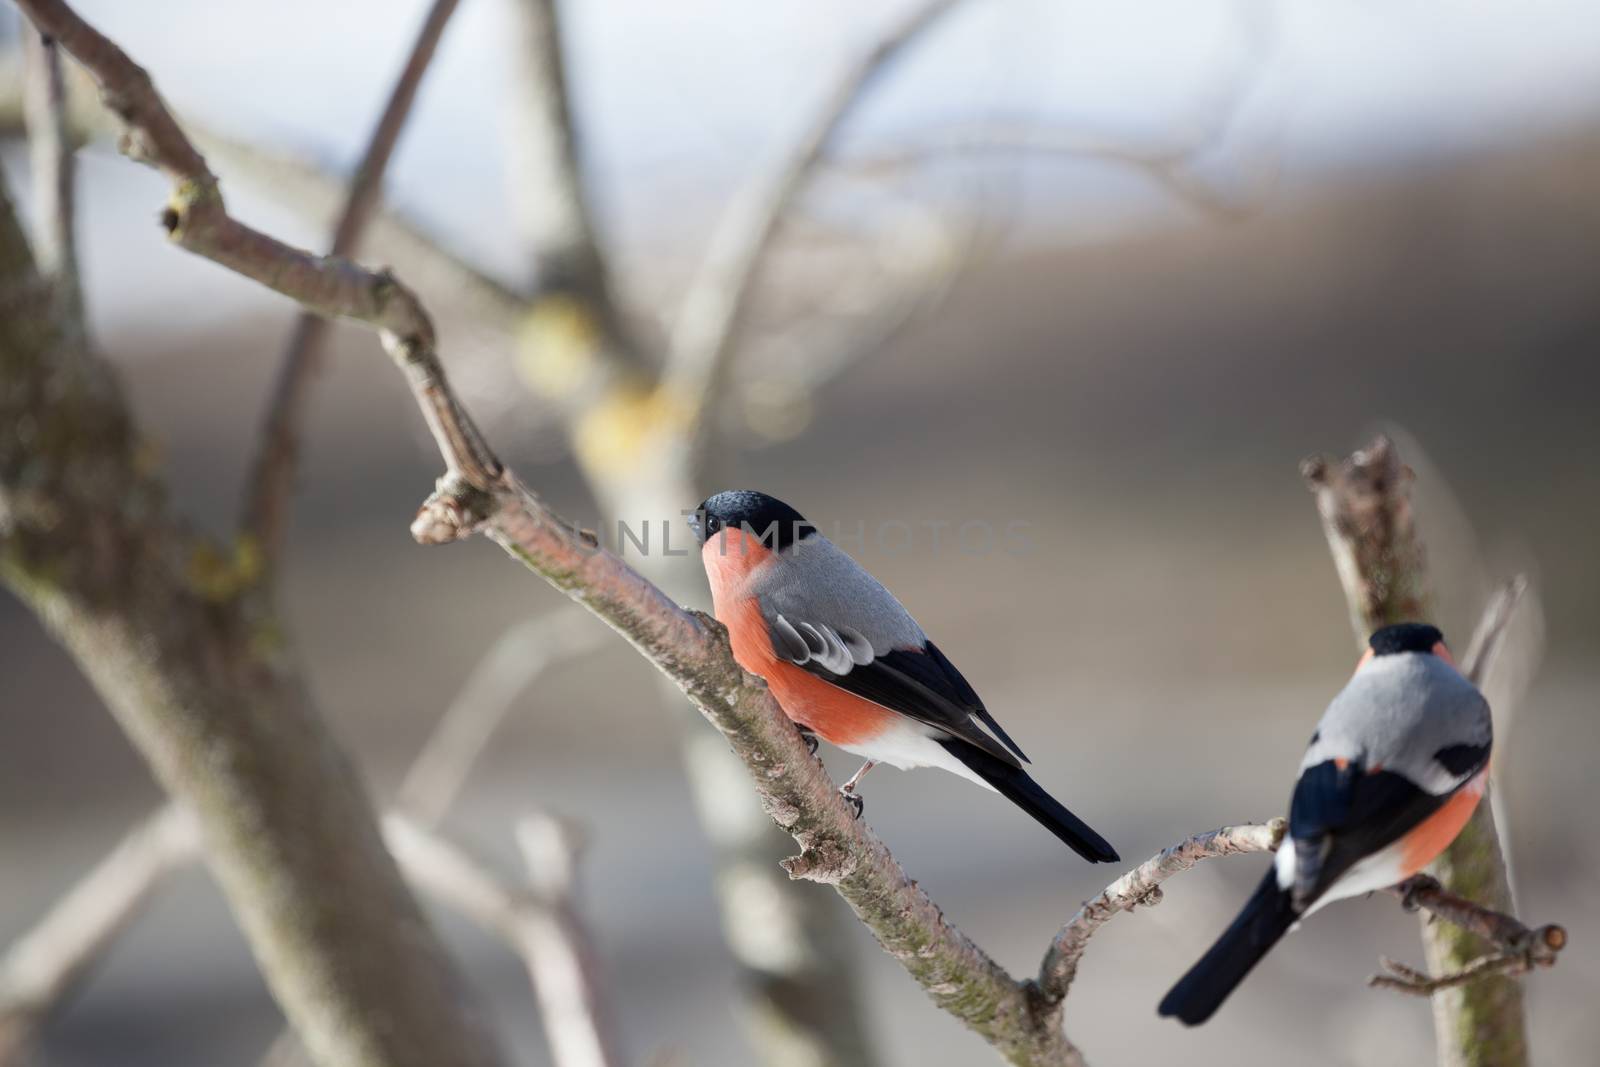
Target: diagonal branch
{"x":513,"y":662}
{"x":1491,"y":631}
{"x":541,"y":924}
{"x":705,"y":334}
{"x":576,"y":339}
{"x":51,"y":152}
{"x":1142,"y":887}
{"x":271,"y":486}
{"x":42,"y":967}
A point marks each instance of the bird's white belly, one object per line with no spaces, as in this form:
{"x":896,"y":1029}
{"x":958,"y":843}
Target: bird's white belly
{"x":907,"y":744}
{"x":1378,"y":871}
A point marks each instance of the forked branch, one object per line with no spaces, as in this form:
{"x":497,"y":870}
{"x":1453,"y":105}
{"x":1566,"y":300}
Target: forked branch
{"x":1519,"y":948}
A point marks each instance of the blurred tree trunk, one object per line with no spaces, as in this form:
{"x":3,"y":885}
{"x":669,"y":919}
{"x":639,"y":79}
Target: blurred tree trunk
{"x":1365,"y":504}
{"x":187,"y":652}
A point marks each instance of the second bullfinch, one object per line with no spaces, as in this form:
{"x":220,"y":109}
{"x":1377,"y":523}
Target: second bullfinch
{"x":847,"y":663}
{"x":1393,"y":772}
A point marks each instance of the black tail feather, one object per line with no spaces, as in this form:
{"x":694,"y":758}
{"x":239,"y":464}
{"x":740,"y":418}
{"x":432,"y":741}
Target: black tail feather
{"x":1014,"y":784}
{"x":1263,"y":921}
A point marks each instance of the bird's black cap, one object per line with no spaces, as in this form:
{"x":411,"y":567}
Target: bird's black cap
{"x":766,"y":518}
{"x":1404,"y":637}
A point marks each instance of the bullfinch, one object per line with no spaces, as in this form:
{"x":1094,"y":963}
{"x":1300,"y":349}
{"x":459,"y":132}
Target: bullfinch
{"x":1393,"y":772}
{"x":847,"y":663}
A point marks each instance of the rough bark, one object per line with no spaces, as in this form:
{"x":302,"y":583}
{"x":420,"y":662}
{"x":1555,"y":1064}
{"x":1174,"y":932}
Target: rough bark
{"x":1365,"y":504}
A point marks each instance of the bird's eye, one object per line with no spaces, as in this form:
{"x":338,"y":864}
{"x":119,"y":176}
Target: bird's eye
{"x":713,"y":524}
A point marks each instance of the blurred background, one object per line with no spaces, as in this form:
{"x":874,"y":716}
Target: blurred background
{"x":1108,"y":271}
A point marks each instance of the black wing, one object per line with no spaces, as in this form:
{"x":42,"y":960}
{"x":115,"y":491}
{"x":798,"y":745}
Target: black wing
{"x":1342,"y":814}
{"x":922,"y":684}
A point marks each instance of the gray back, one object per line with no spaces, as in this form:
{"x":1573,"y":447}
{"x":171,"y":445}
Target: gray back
{"x":815,"y":581}
{"x":1399,"y":711}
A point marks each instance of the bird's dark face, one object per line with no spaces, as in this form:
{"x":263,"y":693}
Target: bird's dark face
{"x":767,"y":519}
{"x":1406,"y":637}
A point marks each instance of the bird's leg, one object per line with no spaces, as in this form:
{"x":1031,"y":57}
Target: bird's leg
{"x":809,"y":738}
{"x":848,"y":790}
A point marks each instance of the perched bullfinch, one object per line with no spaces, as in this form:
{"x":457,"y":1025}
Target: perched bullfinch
{"x":1393,"y":772}
{"x":848,"y":664}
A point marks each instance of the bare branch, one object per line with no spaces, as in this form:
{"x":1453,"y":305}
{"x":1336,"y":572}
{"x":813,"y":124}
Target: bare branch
{"x":1520,"y":949}
{"x":1365,"y":504}
{"x":1491,"y":631}
{"x":1169,"y":168}
{"x":575,"y":295}
{"x":559,"y":951}
{"x":42,"y":967}
{"x":303,"y":186}
{"x":271,"y":486}
{"x":516,"y":659}
{"x":50,"y":150}
{"x":1141,"y":887}
{"x":542,"y":925}
{"x":704,"y":337}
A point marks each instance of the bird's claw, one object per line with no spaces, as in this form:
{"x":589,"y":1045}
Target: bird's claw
{"x":853,"y":801}
{"x":811,"y":741}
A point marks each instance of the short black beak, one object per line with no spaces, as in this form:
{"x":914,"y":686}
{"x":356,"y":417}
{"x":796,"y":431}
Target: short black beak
{"x":697,"y":524}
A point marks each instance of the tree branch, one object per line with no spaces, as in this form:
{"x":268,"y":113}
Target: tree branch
{"x":576,"y":345}
{"x":195,"y":670}
{"x":271,"y":485}
{"x":1491,"y":630}
{"x":1142,"y":887}
{"x":42,"y":967}
{"x":1520,"y":949}
{"x":1169,"y":168}
{"x":515,"y":661}
{"x":1365,"y":504}
{"x":50,"y":149}
{"x":541,"y":924}
{"x":705,"y":334}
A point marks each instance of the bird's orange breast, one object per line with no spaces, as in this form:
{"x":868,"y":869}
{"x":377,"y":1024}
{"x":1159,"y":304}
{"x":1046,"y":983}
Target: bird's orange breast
{"x":836,"y":716}
{"x":1433,"y":835}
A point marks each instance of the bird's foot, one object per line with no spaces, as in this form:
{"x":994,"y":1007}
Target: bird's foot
{"x":1412,"y":889}
{"x":810,"y":739}
{"x":853,"y":801}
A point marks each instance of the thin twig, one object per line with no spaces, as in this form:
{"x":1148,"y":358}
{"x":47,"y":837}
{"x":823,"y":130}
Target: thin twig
{"x":197,"y":219}
{"x":271,"y":485}
{"x":44,"y":965}
{"x":516,"y":659}
{"x":705,"y":333}
{"x":1521,"y":948}
{"x":301,"y":185}
{"x":1142,"y":887}
{"x":1169,"y":168}
{"x":1489,"y":636}
{"x":50,"y":150}
{"x":551,"y":203}
{"x":541,"y":925}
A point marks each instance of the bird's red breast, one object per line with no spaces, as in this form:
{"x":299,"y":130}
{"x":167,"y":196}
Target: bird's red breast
{"x":836,"y":716}
{"x":1422,"y":845}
